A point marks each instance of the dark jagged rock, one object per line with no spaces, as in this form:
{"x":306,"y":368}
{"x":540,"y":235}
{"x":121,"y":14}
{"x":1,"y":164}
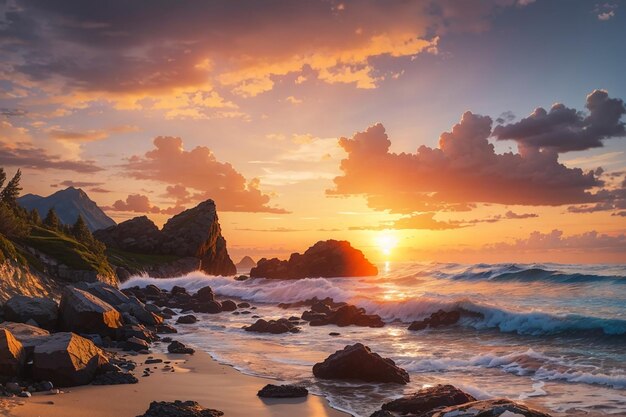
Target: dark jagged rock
{"x":193,"y":237}
{"x":283,"y":391}
{"x":331,"y":258}
{"x":438,"y":319}
{"x":490,"y":408}
{"x":178,"y":347}
{"x":83,"y":312}
{"x":114,"y":378}
{"x":229,"y":305}
{"x":204,"y":294}
{"x":12,"y":354}
{"x":139,"y":331}
{"x":428,"y":399}
{"x":179,"y":409}
{"x":323,"y":313}
{"x":359,"y":362}
{"x":67,"y":360}
{"x":136,"y":344}
{"x":382,"y":413}
{"x":29,"y":336}
{"x":188,"y":319}
{"x":211,"y":307}
{"x":273,"y":326}
{"x":21,"y":309}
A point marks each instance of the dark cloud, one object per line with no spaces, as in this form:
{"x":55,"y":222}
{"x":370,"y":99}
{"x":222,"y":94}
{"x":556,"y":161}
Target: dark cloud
{"x":13,"y":112}
{"x":511,"y":215}
{"x":563,"y":129}
{"x":463,"y":170}
{"x":505,"y":117}
{"x":198,"y":169}
{"x":26,"y":156}
{"x":79,"y":184}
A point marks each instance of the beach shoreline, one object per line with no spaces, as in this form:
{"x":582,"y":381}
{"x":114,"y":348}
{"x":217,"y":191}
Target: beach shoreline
{"x":196,"y":377}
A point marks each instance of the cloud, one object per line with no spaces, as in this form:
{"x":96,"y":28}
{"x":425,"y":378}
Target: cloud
{"x":563,"y":129}
{"x":605,"y":11}
{"x":12,"y":112}
{"x":555,"y":240}
{"x":198,"y":169}
{"x":511,"y":215}
{"x":24,"y":155}
{"x":99,"y":190}
{"x":77,"y":184}
{"x":88,"y":135}
{"x":462,"y":171}
{"x":135,"y":203}
{"x":186,"y":60}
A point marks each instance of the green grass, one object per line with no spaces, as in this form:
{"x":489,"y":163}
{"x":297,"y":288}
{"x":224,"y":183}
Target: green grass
{"x":8,"y":251}
{"x":66,"y":250}
{"x":137,"y":261}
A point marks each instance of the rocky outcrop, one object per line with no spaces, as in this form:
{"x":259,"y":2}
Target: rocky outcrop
{"x":331,"y":258}
{"x":490,"y":408}
{"x":273,"y":326}
{"x":67,"y":360}
{"x":43,"y":311}
{"x":347,"y":315}
{"x":177,"y":347}
{"x":83,"y":312}
{"x":438,"y":319}
{"x":193,"y":234}
{"x":29,"y":336}
{"x":12,"y":354}
{"x":18,"y":279}
{"x":428,"y":399}
{"x":283,"y":391}
{"x":359,"y":362}
{"x":179,"y":409}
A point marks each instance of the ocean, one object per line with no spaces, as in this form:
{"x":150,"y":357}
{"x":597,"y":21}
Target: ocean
{"x":550,"y":335}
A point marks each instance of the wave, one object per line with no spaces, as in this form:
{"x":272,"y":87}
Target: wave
{"x":476,"y":315}
{"x":530,"y":363}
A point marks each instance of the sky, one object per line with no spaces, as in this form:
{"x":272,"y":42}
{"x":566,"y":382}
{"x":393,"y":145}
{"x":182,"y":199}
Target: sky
{"x":453,"y":131}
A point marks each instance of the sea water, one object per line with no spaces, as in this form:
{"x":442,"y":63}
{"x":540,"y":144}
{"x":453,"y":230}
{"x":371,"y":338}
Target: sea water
{"x":550,"y":335}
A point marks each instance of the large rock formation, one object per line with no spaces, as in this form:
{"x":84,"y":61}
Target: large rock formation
{"x":331,"y":258}
{"x":12,"y":354}
{"x":359,"y":362}
{"x":188,"y":241}
{"x":67,"y":360}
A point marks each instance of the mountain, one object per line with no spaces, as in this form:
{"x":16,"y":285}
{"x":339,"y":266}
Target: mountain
{"x":68,"y":204}
{"x":246,"y":263}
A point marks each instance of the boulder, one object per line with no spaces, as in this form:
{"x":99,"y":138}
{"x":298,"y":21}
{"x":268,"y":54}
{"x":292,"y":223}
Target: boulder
{"x":179,"y":409}
{"x":12,"y":354}
{"x":136,"y":344}
{"x":246,"y":263}
{"x":204,"y":294}
{"x":83,"y":312}
{"x":331,"y":258}
{"x":490,"y":408}
{"x":229,"y":305}
{"x":29,"y":336}
{"x":211,"y":307}
{"x":359,"y":362}
{"x":273,"y":326}
{"x":428,"y":399}
{"x":188,"y":319}
{"x":283,"y":391}
{"x":67,"y":360}
{"x":438,"y":319}
{"x":178,"y":347}
{"x":21,"y":309}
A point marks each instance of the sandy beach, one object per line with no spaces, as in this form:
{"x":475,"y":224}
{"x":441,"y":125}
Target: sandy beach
{"x":197,"y":377}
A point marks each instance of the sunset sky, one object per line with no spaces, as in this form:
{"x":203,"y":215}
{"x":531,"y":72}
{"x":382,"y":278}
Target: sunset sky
{"x":474,"y":131}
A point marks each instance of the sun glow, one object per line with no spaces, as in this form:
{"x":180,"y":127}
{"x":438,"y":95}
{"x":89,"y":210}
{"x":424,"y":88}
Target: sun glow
{"x":386,"y":242}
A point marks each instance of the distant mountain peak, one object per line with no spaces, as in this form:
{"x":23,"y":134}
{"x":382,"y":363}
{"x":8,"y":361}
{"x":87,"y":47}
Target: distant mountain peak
{"x":69,"y":203}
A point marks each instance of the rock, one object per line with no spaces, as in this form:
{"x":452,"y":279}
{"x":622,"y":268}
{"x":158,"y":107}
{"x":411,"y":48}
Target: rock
{"x":83,"y":312}
{"x":21,"y":308}
{"x":211,"y":307}
{"x":139,"y":331}
{"x":165,"y":329}
{"x":283,"y":391}
{"x":177,"y":290}
{"x":246,"y":263}
{"x":204,"y":294}
{"x":179,"y":409}
{"x":242,"y":278}
{"x":153,"y":360}
{"x":67,"y":359}
{"x":490,"y":408}
{"x":135,"y":344}
{"x":114,"y":378}
{"x":348,"y":315}
{"x":188,"y":319}
{"x":382,"y":413}
{"x":359,"y":362}
{"x":243,"y":305}
{"x":12,"y":354}
{"x":334,"y":334}
{"x":310,"y":316}
{"x":178,"y":347}
{"x":24,"y":394}
{"x":428,"y":399}
{"x":438,"y":319}
{"x":273,"y":326}
{"x":331,"y":258}
{"x":229,"y":305}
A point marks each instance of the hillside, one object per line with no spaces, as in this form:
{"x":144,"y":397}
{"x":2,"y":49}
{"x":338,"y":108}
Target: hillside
{"x":68,"y":204}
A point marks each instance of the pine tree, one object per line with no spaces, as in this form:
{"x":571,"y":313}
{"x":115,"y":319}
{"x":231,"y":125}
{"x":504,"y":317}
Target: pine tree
{"x":3,"y":177}
{"x":35,"y":217}
{"x":52,"y":220}
{"x":80,"y":230}
{"x":12,"y":190}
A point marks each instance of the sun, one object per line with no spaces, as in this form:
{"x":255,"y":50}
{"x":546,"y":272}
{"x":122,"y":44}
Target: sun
{"x":386,"y":241}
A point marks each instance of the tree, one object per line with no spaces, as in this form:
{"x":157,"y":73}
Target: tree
{"x":12,"y":225}
{"x":12,"y":190}
{"x":3,"y":177}
{"x":34,"y":217}
{"x":52,"y":220}
{"x":80,"y":230}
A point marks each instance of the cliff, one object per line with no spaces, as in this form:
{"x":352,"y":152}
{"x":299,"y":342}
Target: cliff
{"x":189,"y":241}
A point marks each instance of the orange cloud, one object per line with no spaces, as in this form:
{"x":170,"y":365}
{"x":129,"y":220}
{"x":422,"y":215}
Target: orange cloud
{"x":199,"y":169}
